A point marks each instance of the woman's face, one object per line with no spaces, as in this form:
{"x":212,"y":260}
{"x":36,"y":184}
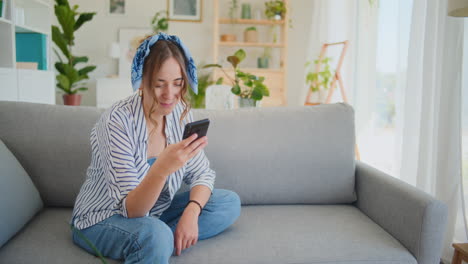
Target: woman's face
{"x":167,"y":87}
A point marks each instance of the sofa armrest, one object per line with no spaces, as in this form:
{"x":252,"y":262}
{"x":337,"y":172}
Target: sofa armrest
{"x":410,"y":215}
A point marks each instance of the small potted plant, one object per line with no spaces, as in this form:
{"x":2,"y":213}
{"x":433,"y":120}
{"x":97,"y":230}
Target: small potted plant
{"x":250,"y":34}
{"x":319,"y":82}
{"x":275,"y":9}
{"x":252,"y":90}
{"x":263,"y":61}
{"x":70,"y":79}
{"x":160,"y":23}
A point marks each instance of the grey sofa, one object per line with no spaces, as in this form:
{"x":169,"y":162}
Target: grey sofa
{"x":305,"y":198}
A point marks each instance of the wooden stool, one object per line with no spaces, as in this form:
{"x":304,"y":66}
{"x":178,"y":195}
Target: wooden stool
{"x":460,"y":253}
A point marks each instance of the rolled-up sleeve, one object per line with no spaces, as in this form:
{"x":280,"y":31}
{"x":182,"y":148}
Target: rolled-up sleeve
{"x":117,"y":156}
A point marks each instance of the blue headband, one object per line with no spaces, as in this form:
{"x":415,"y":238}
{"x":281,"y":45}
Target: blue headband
{"x":143,"y":51}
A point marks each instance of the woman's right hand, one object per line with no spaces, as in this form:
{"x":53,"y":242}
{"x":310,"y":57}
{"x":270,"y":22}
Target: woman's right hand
{"x":174,"y":156}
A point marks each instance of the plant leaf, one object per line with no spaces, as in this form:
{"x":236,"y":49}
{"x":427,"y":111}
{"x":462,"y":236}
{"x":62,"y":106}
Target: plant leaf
{"x":257,"y":94}
{"x":236,"y":89}
{"x":211,"y":65}
{"x":240,"y":54}
{"x":64,"y":82}
{"x":66,"y":18}
{"x":220,"y":80}
{"x":83,"y":18}
{"x":60,"y":41}
{"x":77,"y":60}
{"x":86,"y":70}
{"x":234,"y":60}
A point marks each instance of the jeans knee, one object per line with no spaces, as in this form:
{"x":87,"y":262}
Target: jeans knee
{"x":157,"y":239}
{"x":231,"y":202}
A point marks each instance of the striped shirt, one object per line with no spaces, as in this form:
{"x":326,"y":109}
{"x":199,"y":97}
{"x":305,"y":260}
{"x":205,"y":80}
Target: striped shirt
{"x":119,"y":142}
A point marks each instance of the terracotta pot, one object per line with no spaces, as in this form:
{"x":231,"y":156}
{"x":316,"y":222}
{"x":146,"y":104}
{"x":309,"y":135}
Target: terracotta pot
{"x":250,"y":36}
{"x":228,"y":37}
{"x":72,"y":99}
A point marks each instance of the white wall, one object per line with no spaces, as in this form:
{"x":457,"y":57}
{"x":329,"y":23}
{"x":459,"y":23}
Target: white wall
{"x":94,"y":37}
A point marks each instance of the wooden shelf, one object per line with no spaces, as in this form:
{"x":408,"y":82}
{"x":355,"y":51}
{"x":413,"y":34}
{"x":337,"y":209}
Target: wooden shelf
{"x":4,"y":20}
{"x":250,"y":21}
{"x":251,"y":44}
{"x":257,"y":70}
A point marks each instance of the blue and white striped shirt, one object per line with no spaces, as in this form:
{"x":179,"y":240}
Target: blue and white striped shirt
{"x":119,"y":142}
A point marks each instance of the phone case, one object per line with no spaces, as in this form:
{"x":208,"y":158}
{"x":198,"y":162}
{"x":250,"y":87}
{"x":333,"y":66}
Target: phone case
{"x":200,"y":127}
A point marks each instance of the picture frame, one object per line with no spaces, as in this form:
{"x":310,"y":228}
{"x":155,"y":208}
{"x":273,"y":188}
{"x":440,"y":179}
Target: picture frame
{"x":116,"y":7}
{"x":184,"y":10}
{"x":129,"y":40}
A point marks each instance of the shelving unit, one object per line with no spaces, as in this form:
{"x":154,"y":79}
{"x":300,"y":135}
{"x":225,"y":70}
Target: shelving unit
{"x":26,"y":85}
{"x":275,"y":77}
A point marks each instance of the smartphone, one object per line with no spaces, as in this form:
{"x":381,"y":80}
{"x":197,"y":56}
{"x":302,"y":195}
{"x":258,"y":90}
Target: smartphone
{"x":199,"y":127}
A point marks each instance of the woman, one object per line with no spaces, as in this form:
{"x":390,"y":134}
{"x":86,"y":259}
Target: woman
{"x":127,"y":206}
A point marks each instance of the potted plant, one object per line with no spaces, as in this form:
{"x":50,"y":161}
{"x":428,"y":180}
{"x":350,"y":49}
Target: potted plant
{"x":263,"y":60}
{"x":70,"y":79}
{"x":319,"y":82}
{"x":252,"y":90}
{"x":204,"y":80}
{"x":160,"y":23}
{"x":250,"y":34}
{"x":275,"y":9}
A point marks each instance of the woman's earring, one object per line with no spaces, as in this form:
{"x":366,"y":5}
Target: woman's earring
{"x":140,"y":92}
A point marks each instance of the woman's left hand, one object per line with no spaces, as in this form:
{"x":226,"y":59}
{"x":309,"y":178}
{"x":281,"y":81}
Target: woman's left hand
{"x":186,"y":234}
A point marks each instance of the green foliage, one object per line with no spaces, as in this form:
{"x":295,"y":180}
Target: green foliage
{"x":160,"y":23}
{"x":319,"y":80}
{"x":251,"y":29}
{"x":253,"y":86}
{"x":275,"y":7}
{"x":204,"y":80}
{"x":70,"y":78}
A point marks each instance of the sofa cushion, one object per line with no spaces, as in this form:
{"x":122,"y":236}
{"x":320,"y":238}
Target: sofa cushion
{"x":262,"y":234}
{"x":52,"y":144}
{"x":19,"y":198}
{"x":284,"y":155}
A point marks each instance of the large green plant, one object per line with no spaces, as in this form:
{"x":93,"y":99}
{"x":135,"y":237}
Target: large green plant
{"x":160,"y":23}
{"x":70,"y":78}
{"x":253,"y":86}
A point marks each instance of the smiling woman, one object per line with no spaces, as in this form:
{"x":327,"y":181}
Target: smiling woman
{"x":139,"y":161}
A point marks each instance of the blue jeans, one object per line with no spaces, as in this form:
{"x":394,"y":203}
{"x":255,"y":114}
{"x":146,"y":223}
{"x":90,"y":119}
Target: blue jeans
{"x":151,"y":240}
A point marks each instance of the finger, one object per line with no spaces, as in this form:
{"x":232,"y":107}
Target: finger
{"x":197,"y":150}
{"x":185,"y":244}
{"x":197,"y":143}
{"x":189,"y":140}
{"x":178,"y":246}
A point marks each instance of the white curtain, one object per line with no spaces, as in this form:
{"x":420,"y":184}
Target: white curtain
{"x":431,"y":108}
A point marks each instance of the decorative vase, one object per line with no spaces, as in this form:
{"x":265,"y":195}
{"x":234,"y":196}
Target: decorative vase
{"x":247,"y":102}
{"x":262,"y":62}
{"x":319,"y":97}
{"x":277,"y":16}
{"x":250,"y":36}
{"x":246,"y":13}
{"x":72,"y":99}
{"x":228,"y":38}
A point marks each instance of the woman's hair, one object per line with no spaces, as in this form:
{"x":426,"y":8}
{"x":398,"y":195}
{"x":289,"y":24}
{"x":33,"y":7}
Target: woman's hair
{"x":161,"y":51}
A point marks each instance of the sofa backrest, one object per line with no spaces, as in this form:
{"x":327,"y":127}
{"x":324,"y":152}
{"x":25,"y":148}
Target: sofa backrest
{"x":284,"y":155}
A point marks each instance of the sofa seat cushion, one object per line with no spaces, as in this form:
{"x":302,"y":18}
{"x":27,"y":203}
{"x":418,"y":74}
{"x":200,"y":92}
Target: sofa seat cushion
{"x":263,"y":234}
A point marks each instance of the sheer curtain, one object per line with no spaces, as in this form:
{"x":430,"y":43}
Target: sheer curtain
{"x":431,"y":107}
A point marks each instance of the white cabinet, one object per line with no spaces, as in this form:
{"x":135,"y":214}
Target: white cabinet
{"x":8,"y":87}
{"x":34,"y":86}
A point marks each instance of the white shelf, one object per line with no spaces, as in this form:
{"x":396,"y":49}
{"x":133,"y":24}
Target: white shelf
{"x":28,"y":29}
{"x":4,"y":20}
{"x":33,"y":4}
